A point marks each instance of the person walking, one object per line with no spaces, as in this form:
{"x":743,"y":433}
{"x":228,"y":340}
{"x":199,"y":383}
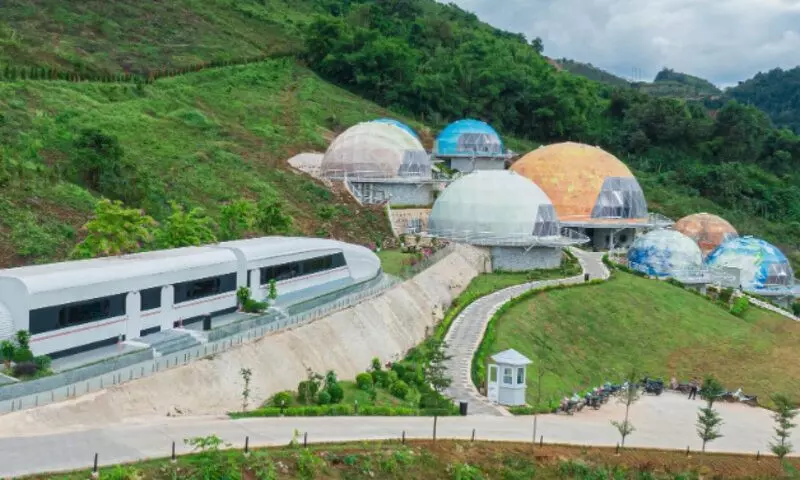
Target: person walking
{"x":693,"y":389}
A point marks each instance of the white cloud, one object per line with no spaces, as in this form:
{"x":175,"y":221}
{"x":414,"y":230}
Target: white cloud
{"x":722,"y":40}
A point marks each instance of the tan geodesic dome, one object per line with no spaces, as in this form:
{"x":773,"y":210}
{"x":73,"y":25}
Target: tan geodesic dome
{"x":375,"y":150}
{"x":585,"y":183}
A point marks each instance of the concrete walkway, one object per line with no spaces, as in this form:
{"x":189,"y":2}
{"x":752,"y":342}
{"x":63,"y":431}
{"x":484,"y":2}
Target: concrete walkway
{"x":664,"y":422}
{"x":468,"y":328}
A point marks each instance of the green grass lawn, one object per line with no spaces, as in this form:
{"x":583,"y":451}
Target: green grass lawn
{"x":392,"y":261}
{"x":597,"y":333}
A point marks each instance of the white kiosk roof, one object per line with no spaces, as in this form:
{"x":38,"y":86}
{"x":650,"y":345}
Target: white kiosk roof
{"x":511,"y":357}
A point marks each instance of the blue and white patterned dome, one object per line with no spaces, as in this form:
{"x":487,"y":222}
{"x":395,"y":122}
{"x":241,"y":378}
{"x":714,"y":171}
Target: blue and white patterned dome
{"x":467,"y":138}
{"x":760,"y":265}
{"x":665,"y":253}
{"x":398,"y":123}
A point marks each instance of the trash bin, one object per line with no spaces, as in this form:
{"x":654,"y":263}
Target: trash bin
{"x":463,"y":409}
{"x":585,"y":277}
{"x":207,"y":323}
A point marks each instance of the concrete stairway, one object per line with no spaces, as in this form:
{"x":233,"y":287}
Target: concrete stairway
{"x":170,"y":341}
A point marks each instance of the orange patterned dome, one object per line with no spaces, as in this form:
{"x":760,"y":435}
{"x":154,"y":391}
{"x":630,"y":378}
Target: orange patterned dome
{"x":584,"y":182}
{"x":709,"y":231}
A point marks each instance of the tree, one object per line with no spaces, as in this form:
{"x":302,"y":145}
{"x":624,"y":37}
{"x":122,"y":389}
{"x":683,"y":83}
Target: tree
{"x":436,"y":370}
{"x":115,"y":230}
{"x":185,"y":229}
{"x":23,"y":339}
{"x":97,"y":158}
{"x":708,"y":420}
{"x":270,"y":218}
{"x":243,"y":295}
{"x":273,"y":289}
{"x":7,"y":350}
{"x":627,"y":396}
{"x":246,"y":373}
{"x":708,"y":423}
{"x":236,"y":219}
{"x":784,"y":414}
{"x":537,"y":45}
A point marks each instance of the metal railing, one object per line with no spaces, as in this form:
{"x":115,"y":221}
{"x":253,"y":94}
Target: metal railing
{"x":151,"y":367}
{"x":567,"y":238}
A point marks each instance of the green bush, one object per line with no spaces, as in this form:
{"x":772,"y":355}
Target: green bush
{"x":284,"y":397}
{"x":364,"y":381}
{"x":23,"y":355}
{"x":307,"y":391}
{"x":725,"y":295}
{"x":399,"y":389}
{"x":324,"y":398}
{"x":381,"y":378}
{"x":336,"y":393}
{"x":43,"y":363}
{"x":252,"y":306}
{"x":740,"y":306}
{"x":796,"y":308}
{"x":393,"y":377}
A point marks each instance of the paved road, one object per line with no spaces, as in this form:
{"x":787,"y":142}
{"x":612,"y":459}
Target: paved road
{"x":666,"y":422}
{"x":468,"y":328}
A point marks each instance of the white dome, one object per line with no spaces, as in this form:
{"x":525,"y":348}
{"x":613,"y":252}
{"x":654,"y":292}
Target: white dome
{"x":493,"y":207}
{"x":376,"y":150}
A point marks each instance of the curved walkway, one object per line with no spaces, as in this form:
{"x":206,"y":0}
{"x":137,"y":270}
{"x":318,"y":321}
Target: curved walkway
{"x":468,"y":328}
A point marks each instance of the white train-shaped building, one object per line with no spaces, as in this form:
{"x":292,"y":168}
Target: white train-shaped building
{"x":79,"y":305}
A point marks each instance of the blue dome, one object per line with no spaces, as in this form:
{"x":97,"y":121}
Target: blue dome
{"x":665,"y":253}
{"x":397,"y":123}
{"x":468,"y":137}
{"x":760,"y":265}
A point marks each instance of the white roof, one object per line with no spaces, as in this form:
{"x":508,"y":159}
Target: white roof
{"x":270,"y":247}
{"x":511,"y":357}
{"x":85,"y":273}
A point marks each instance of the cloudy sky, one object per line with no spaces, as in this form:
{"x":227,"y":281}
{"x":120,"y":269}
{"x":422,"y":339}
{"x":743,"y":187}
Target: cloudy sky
{"x":722,"y":40}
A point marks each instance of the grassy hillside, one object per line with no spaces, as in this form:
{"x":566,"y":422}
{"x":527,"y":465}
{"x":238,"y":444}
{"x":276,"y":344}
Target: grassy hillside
{"x":591,"y":72}
{"x":600,"y":332}
{"x":205,"y":138}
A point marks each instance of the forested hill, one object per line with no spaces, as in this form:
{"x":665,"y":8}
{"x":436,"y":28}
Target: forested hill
{"x":419,"y":58}
{"x":776,"y":92}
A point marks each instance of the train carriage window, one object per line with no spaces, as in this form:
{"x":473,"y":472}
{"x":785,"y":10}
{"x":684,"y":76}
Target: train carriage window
{"x":311,"y":266}
{"x":150,"y":298}
{"x":204,"y":287}
{"x":67,"y":315}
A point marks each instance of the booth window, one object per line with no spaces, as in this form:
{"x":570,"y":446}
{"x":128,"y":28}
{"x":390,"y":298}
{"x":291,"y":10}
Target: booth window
{"x":508,"y":376}
{"x":520,"y":376}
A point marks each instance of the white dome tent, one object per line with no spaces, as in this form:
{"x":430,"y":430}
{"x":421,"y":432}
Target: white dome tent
{"x":506,"y":212}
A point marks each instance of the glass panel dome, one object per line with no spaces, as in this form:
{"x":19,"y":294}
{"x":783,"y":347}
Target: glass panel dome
{"x":665,"y":253}
{"x":760,"y":265}
{"x":376,"y":150}
{"x":468,"y":138}
{"x":398,"y":123}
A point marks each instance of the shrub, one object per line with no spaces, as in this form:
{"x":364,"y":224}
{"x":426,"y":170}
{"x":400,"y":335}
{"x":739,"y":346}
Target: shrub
{"x":22,"y":355}
{"x":364,"y":381}
{"x":336,"y":393}
{"x":400,"y":389}
{"x":324,"y":398}
{"x":740,"y":306}
{"x":24,"y":369}
{"x":252,"y":306}
{"x":381,"y":378}
{"x":307,"y":391}
{"x":725,"y":295}
{"x":393,"y":377}
{"x":43,"y":363}
{"x":796,"y":308}
{"x":285,"y":397}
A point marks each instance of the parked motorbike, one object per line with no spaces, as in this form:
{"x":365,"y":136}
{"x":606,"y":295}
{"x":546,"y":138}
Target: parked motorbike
{"x":655,"y":387}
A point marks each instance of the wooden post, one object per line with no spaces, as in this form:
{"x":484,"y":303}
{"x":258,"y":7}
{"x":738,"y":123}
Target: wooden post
{"x":403,"y":438}
{"x":473,"y":434}
{"x":435,"y":419}
{"x":305,"y":439}
{"x":173,"y":459}
{"x":247,"y":445}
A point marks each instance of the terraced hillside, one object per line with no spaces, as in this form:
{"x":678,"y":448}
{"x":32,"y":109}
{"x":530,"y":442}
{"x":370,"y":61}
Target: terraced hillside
{"x":201,"y":139}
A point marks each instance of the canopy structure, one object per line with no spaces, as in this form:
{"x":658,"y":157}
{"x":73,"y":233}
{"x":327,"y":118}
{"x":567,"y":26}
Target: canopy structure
{"x":375,"y":150}
{"x":760,"y":266}
{"x":497,"y":207}
{"x":468,"y":138}
{"x":587,"y":185}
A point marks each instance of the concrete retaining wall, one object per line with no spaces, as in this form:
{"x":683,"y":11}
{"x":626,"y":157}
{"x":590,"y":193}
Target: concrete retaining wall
{"x":385,"y":327}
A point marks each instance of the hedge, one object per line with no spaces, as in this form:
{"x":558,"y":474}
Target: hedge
{"x":344,"y":411}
